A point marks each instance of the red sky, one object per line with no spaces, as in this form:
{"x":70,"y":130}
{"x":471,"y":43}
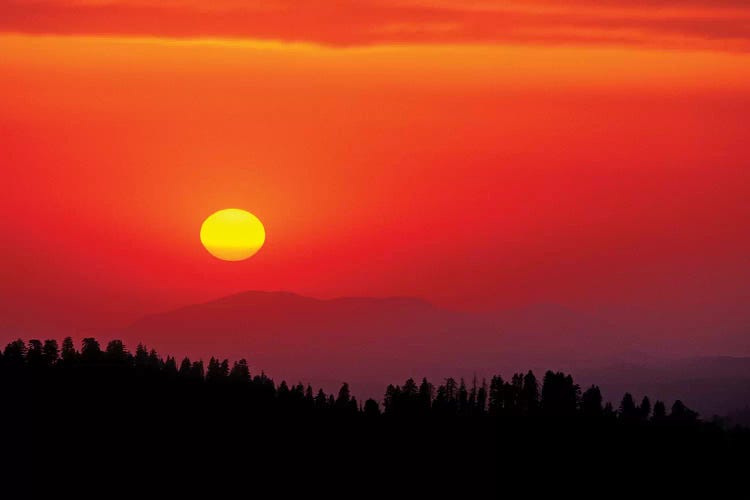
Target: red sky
{"x":479,"y":154}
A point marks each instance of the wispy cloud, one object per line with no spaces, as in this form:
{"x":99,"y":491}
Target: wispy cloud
{"x":674,"y":24}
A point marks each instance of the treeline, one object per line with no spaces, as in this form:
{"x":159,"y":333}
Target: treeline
{"x":66,"y":374}
{"x":523,"y":395}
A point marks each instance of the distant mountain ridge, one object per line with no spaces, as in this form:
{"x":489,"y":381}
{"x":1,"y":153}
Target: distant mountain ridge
{"x":374,"y":341}
{"x":279,"y":330}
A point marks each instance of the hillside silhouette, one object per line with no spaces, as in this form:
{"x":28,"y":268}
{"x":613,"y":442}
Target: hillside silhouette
{"x":112,"y":402}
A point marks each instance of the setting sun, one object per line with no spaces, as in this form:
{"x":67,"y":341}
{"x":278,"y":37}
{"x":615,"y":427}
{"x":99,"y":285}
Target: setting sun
{"x":232,"y":234}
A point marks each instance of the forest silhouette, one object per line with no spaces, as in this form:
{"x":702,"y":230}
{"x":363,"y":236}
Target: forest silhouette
{"x":100,"y":375}
{"x":113,"y":402}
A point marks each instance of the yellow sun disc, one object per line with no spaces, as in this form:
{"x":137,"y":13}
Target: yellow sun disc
{"x":232,"y":234}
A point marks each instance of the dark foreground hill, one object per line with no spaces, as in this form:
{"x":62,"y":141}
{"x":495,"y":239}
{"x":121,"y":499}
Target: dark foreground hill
{"x":108,"y":411}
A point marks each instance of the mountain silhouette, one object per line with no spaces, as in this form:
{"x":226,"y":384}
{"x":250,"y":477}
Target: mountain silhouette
{"x":330,"y":340}
{"x":394,"y":326}
{"x":370,"y":342}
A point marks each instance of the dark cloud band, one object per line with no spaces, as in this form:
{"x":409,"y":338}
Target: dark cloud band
{"x":721,"y":24}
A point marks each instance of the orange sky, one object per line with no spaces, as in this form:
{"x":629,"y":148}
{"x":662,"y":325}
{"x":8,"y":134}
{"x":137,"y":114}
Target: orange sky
{"x":479,"y":154}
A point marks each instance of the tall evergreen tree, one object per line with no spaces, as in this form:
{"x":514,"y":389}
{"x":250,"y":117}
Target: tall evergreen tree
{"x":496,"y":395}
{"x":529,"y":394}
{"x":15,"y":352}
{"x":628,"y":410}
{"x":681,"y":414}
{"x":321,"y":401}
{"x":240,"y":373}
{"x":660,"y":412}
{"x":591,"y":402}
{"x":472,"y":405}
{"x":408,"y":400}
{"x":196,"y":371}
{"x":185,"y":368}
{"x":560,"y":395}
{"x":50,"y":352}
{"x":391,"y":400}
{"x":154,"y":363}
{"x":309,"y":397}
{"x":141,"y":357}
{"x":482,"y":398}
{"x":170,"y":369}
{"x":116,"y":352}
{"x":34,"y":356}
{"x":90,"y":350}
{"x":463,"y":398}
{"x":645,"y":408}
{"x":68,"y":353}
{"x":426,"y":391}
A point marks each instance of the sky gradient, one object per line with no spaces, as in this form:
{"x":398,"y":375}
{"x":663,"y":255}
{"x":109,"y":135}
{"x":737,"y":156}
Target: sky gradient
{"x":480,"y":155}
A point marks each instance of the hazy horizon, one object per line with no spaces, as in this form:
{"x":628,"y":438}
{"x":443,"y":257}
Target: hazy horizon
{"x":715,"y":334}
